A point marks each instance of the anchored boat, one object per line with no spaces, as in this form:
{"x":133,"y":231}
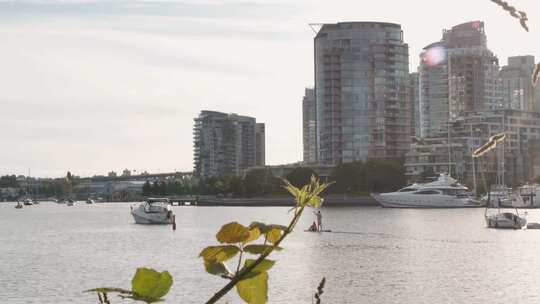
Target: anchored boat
{"x":153,"y":211}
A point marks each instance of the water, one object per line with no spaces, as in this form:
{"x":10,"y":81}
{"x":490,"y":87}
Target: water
{"x":51,"y":253}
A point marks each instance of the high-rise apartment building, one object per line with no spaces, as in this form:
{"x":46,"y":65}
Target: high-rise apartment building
{"x":361,"y":71}
{"x":309,"y":126}
{"x":413,"y":87}
{"x":518,"y":91}
{"x":226,"y":144}
{"x":458,"y":74}
{"x":260,"y":144}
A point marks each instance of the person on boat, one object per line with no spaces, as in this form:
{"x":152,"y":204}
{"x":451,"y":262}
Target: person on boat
{"x":319,"y":220}
{"x":313,"y":227}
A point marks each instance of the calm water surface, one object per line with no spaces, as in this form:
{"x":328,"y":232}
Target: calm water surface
{"x":50,"y":253}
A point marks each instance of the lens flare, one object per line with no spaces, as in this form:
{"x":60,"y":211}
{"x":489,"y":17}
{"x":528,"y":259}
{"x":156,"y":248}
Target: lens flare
{"x":434,"y":55}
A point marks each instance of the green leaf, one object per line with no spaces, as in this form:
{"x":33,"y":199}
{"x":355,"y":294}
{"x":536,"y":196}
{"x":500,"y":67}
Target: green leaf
{"x":273,"y":235}
{"x":264,"y":266}
{"x":109,"y":290}
{"x":259,"y":249}
{"x":254,"y":233}
{"x":254,"y":290}
{"x":218,"y":269}
{"x":315,"y":201}
{"x":150,"y":285}
{"x":232,"y":233}
{"x":219,"y":253}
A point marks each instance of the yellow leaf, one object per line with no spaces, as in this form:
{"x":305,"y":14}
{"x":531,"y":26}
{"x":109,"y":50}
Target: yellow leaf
{"x":254,"y":233}
{"x":232,"y":233}
{"x":273,"y":235}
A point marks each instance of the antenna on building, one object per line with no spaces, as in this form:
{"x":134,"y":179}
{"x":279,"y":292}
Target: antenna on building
{"x":316,"y":27}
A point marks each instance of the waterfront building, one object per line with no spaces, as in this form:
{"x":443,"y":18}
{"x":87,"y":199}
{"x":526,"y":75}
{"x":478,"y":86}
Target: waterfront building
{"x":226,"y":144}
{"x":458,"y":74}
{"x":361,"y":71}
{"x":518,"y":90}
{"x":126,"y":173}
{"x":513,"y":163}
{"x":309,"y":127}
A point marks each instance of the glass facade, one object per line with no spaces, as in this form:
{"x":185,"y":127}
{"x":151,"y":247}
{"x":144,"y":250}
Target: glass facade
{"x":361,"y":73}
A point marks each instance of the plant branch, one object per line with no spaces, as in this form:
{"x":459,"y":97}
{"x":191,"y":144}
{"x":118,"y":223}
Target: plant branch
{"x":242,"y":273}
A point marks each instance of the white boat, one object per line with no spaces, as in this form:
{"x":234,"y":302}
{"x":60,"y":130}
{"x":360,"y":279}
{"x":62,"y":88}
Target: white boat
{"x":444,"y":192}
{"x":27,"y":202}
{"x":70,"y":202}
{"x":90,"y":201}
{"x":505,"y":220}
{"x":153,"y":211}
{"x":504,"y":197}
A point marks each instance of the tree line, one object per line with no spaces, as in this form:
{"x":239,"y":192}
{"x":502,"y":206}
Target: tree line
{"x":358,"y":178}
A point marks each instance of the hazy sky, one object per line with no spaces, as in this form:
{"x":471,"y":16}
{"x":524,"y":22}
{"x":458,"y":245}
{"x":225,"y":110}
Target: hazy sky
{"x":92,"y":86}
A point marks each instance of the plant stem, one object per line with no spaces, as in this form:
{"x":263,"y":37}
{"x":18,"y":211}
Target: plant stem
{"x":242,"y":273}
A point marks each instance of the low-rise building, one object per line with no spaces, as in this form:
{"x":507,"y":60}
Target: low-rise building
{"x":513,"y":163}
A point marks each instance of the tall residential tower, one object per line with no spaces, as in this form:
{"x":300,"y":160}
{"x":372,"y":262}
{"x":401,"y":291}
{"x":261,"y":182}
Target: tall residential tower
{"x":226,"y":144}
{"x":361,"y":75}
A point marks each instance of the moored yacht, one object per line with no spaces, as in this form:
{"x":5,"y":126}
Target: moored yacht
{"x":444,"y":192}
{"x":153,"y":211}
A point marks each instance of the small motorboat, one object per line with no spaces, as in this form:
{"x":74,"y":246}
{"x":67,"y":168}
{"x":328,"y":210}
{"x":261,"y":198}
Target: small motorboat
{"x":70,"y":202}
{"x":27,"y":202}
{"x":19,"y":205}
{"x":505,"y":220}
{"x":90,"y":201}
{"x":153,"y":211}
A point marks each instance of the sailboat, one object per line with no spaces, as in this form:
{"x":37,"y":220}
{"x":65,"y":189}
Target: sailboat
{"x":503,"y":220}
{"x":495,"y":199}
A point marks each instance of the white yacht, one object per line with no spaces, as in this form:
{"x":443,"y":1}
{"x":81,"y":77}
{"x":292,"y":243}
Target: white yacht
{"x":444,"y":192}
{"x":153,"y":211}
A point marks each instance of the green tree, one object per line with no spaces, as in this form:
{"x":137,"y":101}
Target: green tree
{"x":260,"y":182}
{"x":300,"y":176}
{"x":384,"y":175}
{"x":349,"y":177}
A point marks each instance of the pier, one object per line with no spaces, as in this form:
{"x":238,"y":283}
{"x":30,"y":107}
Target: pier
{"x":330,"y":201}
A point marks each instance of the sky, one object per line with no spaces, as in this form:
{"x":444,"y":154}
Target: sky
{"x":92,"y":86}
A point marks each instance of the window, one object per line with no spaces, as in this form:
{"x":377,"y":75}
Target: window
{"x":427,"y":192}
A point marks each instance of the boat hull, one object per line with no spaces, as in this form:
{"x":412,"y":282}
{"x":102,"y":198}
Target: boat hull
{"x":431,"y":202}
